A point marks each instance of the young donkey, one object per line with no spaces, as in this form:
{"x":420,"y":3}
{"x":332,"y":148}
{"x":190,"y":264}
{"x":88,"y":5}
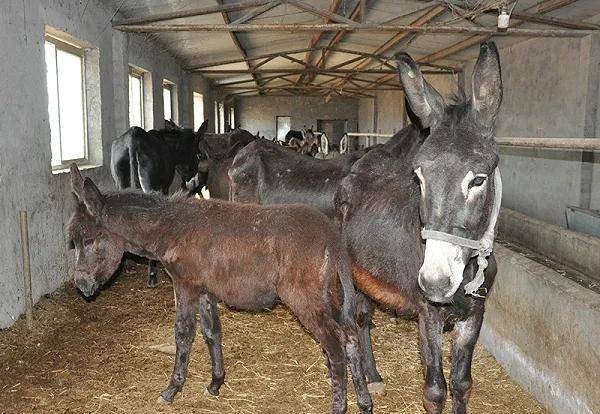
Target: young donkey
{"x":248,"y":256}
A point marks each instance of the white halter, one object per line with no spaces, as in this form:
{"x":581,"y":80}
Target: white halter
{"x":483,"y":247}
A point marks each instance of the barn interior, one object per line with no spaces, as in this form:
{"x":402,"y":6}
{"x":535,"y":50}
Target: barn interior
{"x":78,"y":74}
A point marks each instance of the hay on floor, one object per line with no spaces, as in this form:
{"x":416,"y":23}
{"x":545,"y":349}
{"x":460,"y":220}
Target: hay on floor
{"x":96,"y":358}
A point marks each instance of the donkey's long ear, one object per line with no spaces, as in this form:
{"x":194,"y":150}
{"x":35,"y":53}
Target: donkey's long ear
{"x":424,"y":100}
{"x":324,"y":145}
{"x":202,"y":130}
{"x":76,"y":182}
{"x":92,"y":197}
{"x":487,"y":85}
{"x":344,"y":144}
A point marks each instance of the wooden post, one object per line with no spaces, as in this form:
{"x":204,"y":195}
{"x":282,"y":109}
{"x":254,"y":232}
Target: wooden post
{"x":26,"y":269}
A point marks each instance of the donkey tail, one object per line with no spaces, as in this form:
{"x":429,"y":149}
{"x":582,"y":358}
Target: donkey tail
{"x":344,"y":271}
{"x":134,"y":180}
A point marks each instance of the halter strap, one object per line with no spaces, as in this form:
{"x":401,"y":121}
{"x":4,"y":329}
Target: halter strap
{"x":483,"y":247}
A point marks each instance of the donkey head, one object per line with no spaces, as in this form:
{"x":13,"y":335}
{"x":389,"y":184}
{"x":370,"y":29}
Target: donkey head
{"x":188,"y":153}
{"x":455,"y":167}
{"x":98,"y":253}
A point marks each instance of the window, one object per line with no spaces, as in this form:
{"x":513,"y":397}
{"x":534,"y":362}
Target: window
{"x":168,"y":100}
{"x":217,"y":123}
{"x":65,"y":75}
{"x":221,"y":117}
{"x":283,"y":125}
{"x":198,"y":110}
{"x":232,"y":117}
{"x":136,"y":98}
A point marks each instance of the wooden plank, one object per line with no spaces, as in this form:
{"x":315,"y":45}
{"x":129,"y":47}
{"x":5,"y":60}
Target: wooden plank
{"x":222,"y":8}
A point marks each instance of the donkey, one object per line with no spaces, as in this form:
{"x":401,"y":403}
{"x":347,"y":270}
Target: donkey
{"x":216,"y":166}
{"x":267,"y":173}
{"x":329,"y":149}
{"x":445,"y":189}
{"x":247,"y":256}
{"x":148,"y":160}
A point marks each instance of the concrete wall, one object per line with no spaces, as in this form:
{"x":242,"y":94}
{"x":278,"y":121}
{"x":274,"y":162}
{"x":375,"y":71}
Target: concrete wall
{"x":26,"y":181}
{"x":544,"y":329}
{"x":550,"y":90}
{"x":258,"y":113}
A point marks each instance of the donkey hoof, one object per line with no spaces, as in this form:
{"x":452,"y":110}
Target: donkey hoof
{"x":211,"y":393}
{"x":152,"y":282}
{"x":162,"y":401}
{"x":376,"y":388}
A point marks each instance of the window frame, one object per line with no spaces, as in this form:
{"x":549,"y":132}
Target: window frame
{"x":195,"y":121}
{"x":170,"y":86}
{"x":79,"y":51}
{"x":137,"y":73}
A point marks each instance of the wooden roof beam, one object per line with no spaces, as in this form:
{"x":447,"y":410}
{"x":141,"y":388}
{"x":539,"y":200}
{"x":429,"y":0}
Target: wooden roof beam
{"x":201,"y":11}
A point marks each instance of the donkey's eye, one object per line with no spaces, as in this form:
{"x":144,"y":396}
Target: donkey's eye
{"x":478,"y":181}
{"x":88,"y":242}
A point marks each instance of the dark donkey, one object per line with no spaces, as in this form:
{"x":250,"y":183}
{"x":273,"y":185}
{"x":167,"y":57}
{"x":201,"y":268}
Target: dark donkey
{"x":267,"y":173}
{"x":386,"y":214}
{"x":247,"y":256}
{"x":148,"y":160}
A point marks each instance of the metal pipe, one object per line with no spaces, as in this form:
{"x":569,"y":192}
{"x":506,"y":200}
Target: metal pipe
{"x":26,"y":268}
{"x":334,"y":27}
{"x":572,"y":144}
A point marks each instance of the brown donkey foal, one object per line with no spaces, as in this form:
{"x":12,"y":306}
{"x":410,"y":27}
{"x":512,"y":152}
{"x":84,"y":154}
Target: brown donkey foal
{"x":247,"y":256}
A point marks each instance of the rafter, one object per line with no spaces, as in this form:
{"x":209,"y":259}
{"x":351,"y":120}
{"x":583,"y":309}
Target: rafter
{"x":542,"y":8}
{"x":257,"y":12}
{"x":367,"y":27}
{"x":422,"y":20}
{"x":250,"y":58}
{"x":238,"y":45}
{"x":311,"y":69}
{"x":316,"y":38}
{"x":334,"y":17}
{"x":336,"y":39}
{"x":221,"y":8}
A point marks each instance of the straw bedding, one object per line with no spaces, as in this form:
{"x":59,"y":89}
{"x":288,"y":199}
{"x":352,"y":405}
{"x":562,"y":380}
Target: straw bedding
{"x":96,"y":357}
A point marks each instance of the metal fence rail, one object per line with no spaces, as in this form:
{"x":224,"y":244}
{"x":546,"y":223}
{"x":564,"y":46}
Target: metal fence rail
{"x":573,"y":144}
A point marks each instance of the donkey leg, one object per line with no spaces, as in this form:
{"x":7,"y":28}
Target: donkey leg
{"x":337,"y":372}
{"x":364,"y":313}
{"x":152,"y":274}
{"x":431,"y":336}
{"x":185,"y":331}
{"x":211,"y":331}
{"x":466,"y":335}
{"x":365,"y":404}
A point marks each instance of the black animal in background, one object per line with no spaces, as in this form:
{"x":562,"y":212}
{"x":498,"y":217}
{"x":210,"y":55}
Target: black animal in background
{"x":267,"y":173}
{"x":148,"y":160}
